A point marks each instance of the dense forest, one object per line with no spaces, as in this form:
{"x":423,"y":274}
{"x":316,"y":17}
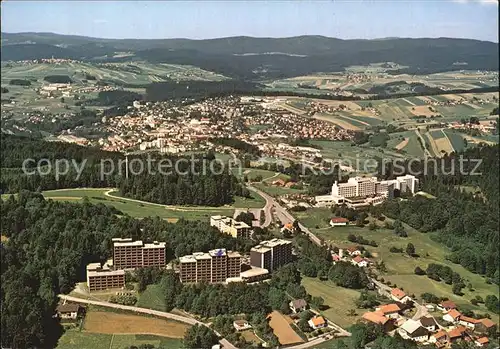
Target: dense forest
{"x":51,"y":242}
{"x":188,"y":181}
{"x":464,"y":215}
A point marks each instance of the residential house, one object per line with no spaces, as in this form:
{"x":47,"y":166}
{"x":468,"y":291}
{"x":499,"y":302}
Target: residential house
{"x":429,"y":323}
{"x":446,"y":306}
{"x":468,"y":322}
{"x":452,"y":316}
{"x":399,"y":296}
{"x":375,"y":317}
{"x":241,"y":325}
{"x":485,"y":326}
{"x":335,"y":258}
{"x":481,"y":342}
{"x":279,"y":183}
{"x":290,"y":184}
{"x":440,"y":339}
{"x":353,"y":251}
{"x":338,"y":221}
{"x":360,"y":261}
{"x":456,"y":334}
{"x":317,"y":322}
{"x":413,"y":330}
{"x":68,"y":311}
{"x":391,"y":311}
{"x":298,"y":305}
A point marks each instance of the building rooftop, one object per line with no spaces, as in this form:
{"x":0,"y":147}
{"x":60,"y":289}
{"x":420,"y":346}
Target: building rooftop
{"x":155,"y":244}
{"x":253,"y":272}
{"x":104,"y":272}
{"x":187,"y":259}
{"x":219,"y":252}
{"x":233,"y":254}
{"x":128,"y":243}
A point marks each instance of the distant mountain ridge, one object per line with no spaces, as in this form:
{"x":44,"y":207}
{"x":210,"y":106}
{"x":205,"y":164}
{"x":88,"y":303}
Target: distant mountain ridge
{"x":245,"y":57}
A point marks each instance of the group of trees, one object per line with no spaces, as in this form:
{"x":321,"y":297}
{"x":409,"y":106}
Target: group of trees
{"x":440,"y":272}
{"x":194,"y":181}
{"x":58,"y":79}
{"x":361,"y":240}
{"x":466,"y":222}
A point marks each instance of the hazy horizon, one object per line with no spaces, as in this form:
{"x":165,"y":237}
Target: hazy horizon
{"x":346,"y":20}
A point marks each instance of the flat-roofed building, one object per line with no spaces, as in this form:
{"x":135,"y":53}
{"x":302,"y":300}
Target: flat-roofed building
{"x":203,"y":267}
{"x":129,"y":254}
{"x":233,"y":264}
{"x":271,"y":254}
{"x":254,"y":275}
{"x":153,"y":254}
{"x":103,"y":278}
{"x":231,"y":227}
{"x":216,"y":266}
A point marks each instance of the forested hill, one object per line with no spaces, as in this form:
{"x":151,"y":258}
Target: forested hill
{"x":465,"y":212}
{"x":192,"y":182}
{"x":51,"y":242}
{"x":255,"y":58}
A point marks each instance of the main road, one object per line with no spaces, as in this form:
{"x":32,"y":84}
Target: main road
{"x":225,"y":343}
{"x":281,"y":212}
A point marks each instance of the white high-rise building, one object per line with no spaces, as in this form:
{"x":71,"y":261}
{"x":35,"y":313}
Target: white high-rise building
{"x":363,"y":191}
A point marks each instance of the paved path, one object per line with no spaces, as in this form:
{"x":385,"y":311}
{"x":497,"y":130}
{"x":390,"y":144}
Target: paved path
{"x":267,"y":208}
{"x":162,"y":314}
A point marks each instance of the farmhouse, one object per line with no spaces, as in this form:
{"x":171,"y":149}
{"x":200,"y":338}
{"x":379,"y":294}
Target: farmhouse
{"x":353,"y":251}
{"x":452,"y":316}
{"x":390,"y":311}
{"x":441,"y":339}
{"x":468,"y":321}
{"x":399,"y":296}
{"x":317,"y":322}
{"x":457,"y":334}
{"x":375,"y":317}
{"x":68,"y":311}
{"x":338,"y":221}
{"x":429,"y":323}
{"x":485,"y":325}
{"x":413,"y":330}
{"x":481,"y":342}
{"x":241,"y":325}
{"x":446,"y":306}
{"x":298,"y":305}
{"x":360,"y":261}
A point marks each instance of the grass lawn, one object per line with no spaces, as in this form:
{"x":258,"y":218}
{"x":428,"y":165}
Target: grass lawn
{"x":338,"y":299}
{"x":145,"y":209}
{"x":277,"y":191}
{"x":400,"y":267}
{"x":152,"y":298}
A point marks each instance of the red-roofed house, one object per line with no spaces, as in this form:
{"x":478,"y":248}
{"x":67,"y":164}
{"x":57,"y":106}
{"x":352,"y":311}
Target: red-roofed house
{"x":481,"y":342}
{"x":317,"y":322}
{"x":446,"y":306}
{"x":338,"y":221}
{"x":468,"y":321}
{"x":485,"y":326}
{"x":457,"y":333}
{"x":452,"y":316}
{"x":360,"y":261}
{"x":390,"y":311}
{"x":399,"y":296}
{"x":353,"y":251}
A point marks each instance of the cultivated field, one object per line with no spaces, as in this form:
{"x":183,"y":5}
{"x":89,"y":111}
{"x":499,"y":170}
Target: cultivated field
{"x":74,"y":339}
{"x":282,"y":329}
{"x":115,"y":323}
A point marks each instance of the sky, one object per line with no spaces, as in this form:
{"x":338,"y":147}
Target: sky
{"x":349,"y":19}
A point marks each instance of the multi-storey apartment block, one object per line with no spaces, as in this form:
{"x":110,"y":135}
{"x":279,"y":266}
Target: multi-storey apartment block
{"x":102,"y":277}
{"x":271,"y":254}
{"x":129,"y":254}
{"x":212,"y":267}
{"x":230,"y":226}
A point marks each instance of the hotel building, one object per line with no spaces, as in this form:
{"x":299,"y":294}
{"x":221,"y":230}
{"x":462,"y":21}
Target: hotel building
{"x":231,"y":227}
{"x":216,"y":266}
{"x":102,"y":277}
{"x":360,"y":192}
{"x":271,"y":254}
{"x":129,"y":254}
